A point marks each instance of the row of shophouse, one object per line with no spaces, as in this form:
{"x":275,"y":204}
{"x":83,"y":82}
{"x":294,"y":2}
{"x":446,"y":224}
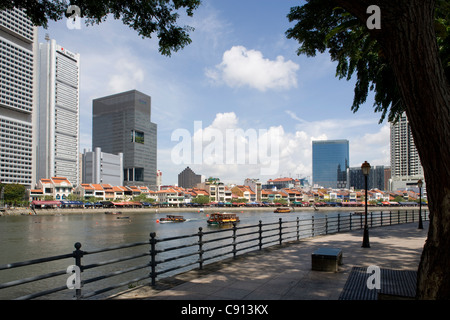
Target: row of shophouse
{"x":59,"y":188}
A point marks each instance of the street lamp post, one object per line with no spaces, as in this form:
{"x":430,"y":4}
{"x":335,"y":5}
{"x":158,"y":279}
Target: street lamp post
{"x":420,"y":184}
{"x":365,"y":167}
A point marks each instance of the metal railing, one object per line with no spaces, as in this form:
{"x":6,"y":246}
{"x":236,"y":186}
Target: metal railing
{"x":149,"y":260}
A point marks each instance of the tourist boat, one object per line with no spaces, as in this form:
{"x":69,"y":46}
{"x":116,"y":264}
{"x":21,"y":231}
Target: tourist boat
{"x":170,"y":218}
{"x":222,"y":218}
{"x":113,"y":212}
{"x":282,"y":210}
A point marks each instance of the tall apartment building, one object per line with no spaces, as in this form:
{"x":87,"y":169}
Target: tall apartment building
{"x":406,"y":168}
{"x":330,"y":161}
{"x":121,"y":124}
{"x":18,"y":52}
{"x":58,"y":113}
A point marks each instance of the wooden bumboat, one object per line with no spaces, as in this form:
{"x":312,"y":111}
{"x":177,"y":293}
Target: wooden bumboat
{"x":282,"y":210}
{"x":171,"y":218}
{"x":222,"y":218}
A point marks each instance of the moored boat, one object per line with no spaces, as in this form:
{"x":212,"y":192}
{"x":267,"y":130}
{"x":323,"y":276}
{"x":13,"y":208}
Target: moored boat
{"x":222,"y":218}
{"x":113,"y":212}
{"x":282,"y":210}
{"x":171,"y":218}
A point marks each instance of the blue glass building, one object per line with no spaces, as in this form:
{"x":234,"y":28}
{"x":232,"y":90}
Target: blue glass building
{"x":330,"y":160}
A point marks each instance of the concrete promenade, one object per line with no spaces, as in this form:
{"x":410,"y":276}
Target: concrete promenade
{"x":284,"y":272}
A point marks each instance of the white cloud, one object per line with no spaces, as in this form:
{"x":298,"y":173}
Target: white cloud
{"x":127,"y":76}
{"x":243,"y":67}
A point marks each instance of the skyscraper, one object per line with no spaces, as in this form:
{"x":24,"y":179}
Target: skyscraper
{"x":330,"y":160}
{"x":404,"y":156}
{"x":58,"y":113}
{"x":406,"y":167}
{"x":188,"y":179}
{"x":122,"y":124}
{"x":18,"y":49}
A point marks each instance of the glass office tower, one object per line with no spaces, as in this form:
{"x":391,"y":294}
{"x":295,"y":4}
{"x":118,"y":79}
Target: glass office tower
{"x":330,"y":160}
{"x":121,"y":124}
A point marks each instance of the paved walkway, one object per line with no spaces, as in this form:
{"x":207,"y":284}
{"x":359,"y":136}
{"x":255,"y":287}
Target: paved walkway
{"x":284,"y":273}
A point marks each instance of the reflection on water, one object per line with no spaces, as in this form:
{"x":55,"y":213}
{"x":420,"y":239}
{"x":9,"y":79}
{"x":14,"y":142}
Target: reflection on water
{"x":30,"y":237}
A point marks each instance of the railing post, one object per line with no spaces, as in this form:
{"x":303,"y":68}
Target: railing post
{"x":350,"y":215}
{"x":280,"y":232}
{"x":78,"y":254}
{"x":390,"y":217}
{"x":326,"y":224}
{"x":398,"y":217}
{"x":234,"y":239}
{"x":339,"y":223}
{"x":371,"y":219}
{"x":406,"y":216}
{"x":260,"y":234}
{"x":298,"y":230}
{"x":312,"y":226}
{"x":361,"y":221}
{"x":153,"y":257}
{"x":381,"y":217}
{"x":200,"y":247}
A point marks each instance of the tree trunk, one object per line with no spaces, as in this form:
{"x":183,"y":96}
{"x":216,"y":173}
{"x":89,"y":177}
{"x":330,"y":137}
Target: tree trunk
{"x":407,"y":37}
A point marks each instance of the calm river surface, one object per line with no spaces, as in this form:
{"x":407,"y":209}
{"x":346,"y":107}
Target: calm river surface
{"x":37,"y":236}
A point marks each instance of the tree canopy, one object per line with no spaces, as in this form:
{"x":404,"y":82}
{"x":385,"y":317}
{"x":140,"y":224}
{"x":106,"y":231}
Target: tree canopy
{"x":323,"y":26}
{"x":147,"y":17}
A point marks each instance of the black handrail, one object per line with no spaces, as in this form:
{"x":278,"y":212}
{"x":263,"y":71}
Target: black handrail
{"x":203,"y":246}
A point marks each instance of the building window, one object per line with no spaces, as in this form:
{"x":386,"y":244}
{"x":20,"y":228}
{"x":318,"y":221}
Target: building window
{"x":139,"y":174}
{"x":137,"y":136}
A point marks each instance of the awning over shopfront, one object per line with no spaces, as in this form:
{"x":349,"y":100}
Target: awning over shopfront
{"x":47,"y":203}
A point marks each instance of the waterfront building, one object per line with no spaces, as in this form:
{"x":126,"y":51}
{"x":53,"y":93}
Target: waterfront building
{"x":18,"y":56}
{"x":375,"y":180}
{"x":58,"y":112}
{"x":215,"y":189}
{"x":188,"y":179}
{"x":255,"y":185}
{"x":122,"y":124}
{"x":330,"y":161}
{"x":57,"y":188}
{"x":102,"y":168}
{"x":244,"y":192}
{"x":280,"y":183}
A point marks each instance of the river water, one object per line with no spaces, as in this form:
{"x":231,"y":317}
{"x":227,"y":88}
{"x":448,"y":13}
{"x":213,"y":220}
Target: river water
{"x":37,"y":236}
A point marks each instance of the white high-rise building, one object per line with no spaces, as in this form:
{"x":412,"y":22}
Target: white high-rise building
{"x":58,"y":113}
{"x":18,"y":89}
{"x":406,"y":168}
{"x":102,"y":168}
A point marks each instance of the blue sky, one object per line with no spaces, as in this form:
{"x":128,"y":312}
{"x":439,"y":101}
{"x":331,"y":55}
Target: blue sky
{"x":239,"y":73}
